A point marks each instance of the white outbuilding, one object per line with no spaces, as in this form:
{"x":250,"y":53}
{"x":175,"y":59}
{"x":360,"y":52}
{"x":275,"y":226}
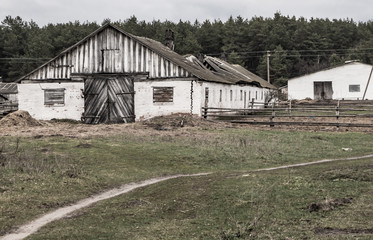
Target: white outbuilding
{"x":348,"y":82}
{"x":112,"y":76}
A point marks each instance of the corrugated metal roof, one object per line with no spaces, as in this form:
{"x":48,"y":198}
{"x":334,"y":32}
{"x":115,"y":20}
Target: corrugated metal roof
{"x":234,"y":73}
{"x":8,"y":88}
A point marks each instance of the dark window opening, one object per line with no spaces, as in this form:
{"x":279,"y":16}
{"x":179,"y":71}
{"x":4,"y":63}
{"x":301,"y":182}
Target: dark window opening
{"x":354,"y":88}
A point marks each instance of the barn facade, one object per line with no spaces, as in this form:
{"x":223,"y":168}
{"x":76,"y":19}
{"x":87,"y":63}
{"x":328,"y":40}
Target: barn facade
{"x":349,"y":82}
{"x":112,"y":76}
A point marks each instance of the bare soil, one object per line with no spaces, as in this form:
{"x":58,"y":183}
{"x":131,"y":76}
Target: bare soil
{"x":20,"y":123}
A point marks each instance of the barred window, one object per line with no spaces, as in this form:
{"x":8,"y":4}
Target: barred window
{"x":54,"y":97}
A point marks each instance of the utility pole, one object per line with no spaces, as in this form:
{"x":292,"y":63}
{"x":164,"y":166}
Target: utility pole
{"x":366,"y":88}
{"x":268,"y":72}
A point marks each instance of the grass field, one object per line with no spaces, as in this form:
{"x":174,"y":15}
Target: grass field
{"x":329,"y":201}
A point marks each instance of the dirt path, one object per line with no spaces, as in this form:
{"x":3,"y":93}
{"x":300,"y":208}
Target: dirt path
{"x":311,"y":163}
{"x":32,"y":227}
{"x":35,"y":225}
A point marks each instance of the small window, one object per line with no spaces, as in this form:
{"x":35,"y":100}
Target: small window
{"x":354,"y":88}
{"x":231,"y":95}
{"x":163,"y":94}
{"x":221,"y":95}
{"x":53,"y":97}
{"x":241,"y":95}
{"x":249,"y":96}
{"x":256,"y":95}
{"x":262,"y":95}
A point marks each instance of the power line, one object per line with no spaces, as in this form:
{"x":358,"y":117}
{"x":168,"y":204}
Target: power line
{"x":295,"y":50}
{"x":29,"y":59}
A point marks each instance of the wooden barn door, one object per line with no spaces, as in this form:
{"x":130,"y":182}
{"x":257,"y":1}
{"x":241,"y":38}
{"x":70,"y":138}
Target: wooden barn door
{"x":108,"y":99}
{"x":323,"y":90}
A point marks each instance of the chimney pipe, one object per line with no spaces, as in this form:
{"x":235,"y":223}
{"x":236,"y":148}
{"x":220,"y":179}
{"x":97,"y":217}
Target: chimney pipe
{"x":169,"y":39}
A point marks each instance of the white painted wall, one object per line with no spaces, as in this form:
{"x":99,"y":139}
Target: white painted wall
{"x":31,"y":99}
{"x":341,"y":77}
{"x":144,"y":106}
{"x":237,"y":100}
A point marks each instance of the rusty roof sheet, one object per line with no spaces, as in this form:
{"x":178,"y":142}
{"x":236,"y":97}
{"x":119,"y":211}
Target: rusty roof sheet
{"x":8,"y":88}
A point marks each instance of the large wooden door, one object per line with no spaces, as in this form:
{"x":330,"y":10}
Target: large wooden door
{"x":323,"y":90}
{"x":108,"y":99}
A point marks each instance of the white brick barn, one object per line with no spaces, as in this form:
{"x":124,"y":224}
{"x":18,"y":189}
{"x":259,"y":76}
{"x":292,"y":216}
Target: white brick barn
{"x":348,"y":82}
{"x":112,"y":76}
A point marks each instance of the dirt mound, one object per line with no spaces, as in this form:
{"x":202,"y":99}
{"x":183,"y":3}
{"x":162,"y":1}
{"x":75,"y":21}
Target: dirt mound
{"x":19,"y":118}
{"x":175,"y":121}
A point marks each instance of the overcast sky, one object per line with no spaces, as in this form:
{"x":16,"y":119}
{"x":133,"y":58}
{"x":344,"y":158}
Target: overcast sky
{"x":62,"y":11}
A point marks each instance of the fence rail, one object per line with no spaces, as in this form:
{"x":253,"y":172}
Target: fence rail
{"x":331,"y":113}
{"x":7,"y":107}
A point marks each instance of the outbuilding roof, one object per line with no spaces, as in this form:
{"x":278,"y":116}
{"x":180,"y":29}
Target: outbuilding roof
{"x":347,"y":63}
{"x":8,"y":88}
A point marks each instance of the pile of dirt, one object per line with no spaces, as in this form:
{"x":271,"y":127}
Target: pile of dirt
{"x":19,"y":118}
{"x":180,"y":120}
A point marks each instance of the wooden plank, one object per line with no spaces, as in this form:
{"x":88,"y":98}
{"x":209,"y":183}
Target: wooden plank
{"x":163,"y":94}
{"x":306,"y":124}
{"x":109,"y":99}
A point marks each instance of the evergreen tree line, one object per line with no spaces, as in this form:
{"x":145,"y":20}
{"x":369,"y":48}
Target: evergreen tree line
{"x":297,"y":46}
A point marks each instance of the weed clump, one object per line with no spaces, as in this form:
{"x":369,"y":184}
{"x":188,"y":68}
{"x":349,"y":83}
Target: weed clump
{"x":329,"y":204}
{"x":33,"y":162}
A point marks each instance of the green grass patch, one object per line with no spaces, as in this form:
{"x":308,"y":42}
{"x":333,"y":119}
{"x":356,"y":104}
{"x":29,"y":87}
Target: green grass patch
{"x":262,"y":205}
{"x":39,"y":174}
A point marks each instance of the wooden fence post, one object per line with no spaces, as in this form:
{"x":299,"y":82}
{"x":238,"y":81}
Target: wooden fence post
{"x":272,"y":117}
{"x":252,"y":105}
{"x":337,"y":114}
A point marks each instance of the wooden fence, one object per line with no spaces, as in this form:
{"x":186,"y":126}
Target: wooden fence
{"x":7,"y":107}
{"x":306,"y":113}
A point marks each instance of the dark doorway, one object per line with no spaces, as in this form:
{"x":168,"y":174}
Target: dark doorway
{"x":323,"y":90}
{"x":108,"y":99}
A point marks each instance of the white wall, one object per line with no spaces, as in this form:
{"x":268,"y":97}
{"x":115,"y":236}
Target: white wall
{"x":341,"y":77}
{"x":31,"y":99}
{"x":259,"y":95}
{"x":144,"y":106}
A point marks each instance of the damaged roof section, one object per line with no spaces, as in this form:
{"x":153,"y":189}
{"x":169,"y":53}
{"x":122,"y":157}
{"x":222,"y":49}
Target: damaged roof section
{"x":235,"y":74}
